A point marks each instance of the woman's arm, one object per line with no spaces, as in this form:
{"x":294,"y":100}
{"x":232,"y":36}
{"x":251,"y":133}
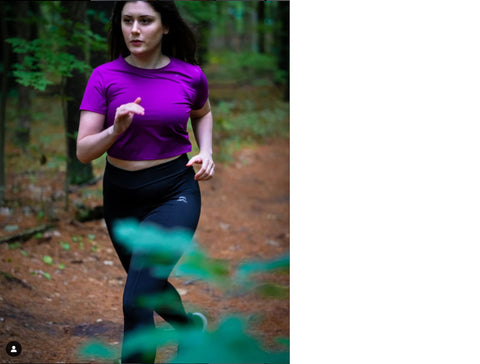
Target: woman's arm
{"x":93,"y":141}
{"x":202,"y":125}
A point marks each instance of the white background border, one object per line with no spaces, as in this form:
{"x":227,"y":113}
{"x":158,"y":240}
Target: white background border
{"x":385,"y":181}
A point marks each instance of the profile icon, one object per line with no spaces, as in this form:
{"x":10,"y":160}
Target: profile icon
{"x":14,"y":348}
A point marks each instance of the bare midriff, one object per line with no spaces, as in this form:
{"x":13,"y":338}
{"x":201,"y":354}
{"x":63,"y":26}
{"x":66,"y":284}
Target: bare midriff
{"x":138,"y":165}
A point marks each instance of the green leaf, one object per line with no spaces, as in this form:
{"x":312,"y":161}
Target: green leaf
{"x":272,"y":290}
{"x":148,"y":340}
{"x":163,"y":245}
{"x":197,"y":264}
{"x":15,"y":245}
{"x":97,"y":350}
{"x":281,"y":264}
{"x":48,"y":259}
{"x":232,"y":343}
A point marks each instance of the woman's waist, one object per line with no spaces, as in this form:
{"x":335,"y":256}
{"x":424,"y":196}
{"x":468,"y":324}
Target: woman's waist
{"x":133,"y":166}
{"x":168,"y":171}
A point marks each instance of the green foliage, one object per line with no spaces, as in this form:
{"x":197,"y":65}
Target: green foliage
{"x":41,"y":273}
{"x":41,"y":65}
{"x":248,"y":68}
{"x":155,"y":247}
{"x":65,"y":246}
{"x":46,"y":58}
{"x":195,"y":12}
{"x":240,"y":122}
{"x":97,"y":350}
{"x":47,"y":259}
{"x":281,"y":264}
{"x":14,"y":245}
{"x":198,"y":264}
{"x":230,"y":342}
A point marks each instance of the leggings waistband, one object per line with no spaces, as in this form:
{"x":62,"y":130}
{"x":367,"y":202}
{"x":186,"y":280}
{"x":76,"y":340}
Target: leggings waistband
{"x":135,"y":179}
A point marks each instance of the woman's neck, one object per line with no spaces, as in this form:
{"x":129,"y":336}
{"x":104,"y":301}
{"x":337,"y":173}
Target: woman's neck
{"x":153,"y":62}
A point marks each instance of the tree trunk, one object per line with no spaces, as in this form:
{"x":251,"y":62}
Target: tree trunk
{"x":3,"y":95}
{"x":24,"y":106}
{"x":203,"y":36}
{"x":73,"y":88}
{"x":261,"y":26}
{"x":284,"y":44}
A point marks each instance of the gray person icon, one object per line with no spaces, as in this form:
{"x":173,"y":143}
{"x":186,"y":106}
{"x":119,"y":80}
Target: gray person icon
{"x":13,"y":349}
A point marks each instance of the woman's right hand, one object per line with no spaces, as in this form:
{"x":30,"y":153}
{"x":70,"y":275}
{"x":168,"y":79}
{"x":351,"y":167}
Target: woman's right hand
{"x":124,"y":115}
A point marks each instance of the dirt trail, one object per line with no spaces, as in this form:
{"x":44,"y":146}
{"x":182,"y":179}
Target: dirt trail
{"x":245,"y":215}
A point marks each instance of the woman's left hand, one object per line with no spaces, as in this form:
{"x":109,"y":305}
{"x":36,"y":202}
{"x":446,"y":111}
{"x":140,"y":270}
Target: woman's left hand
{"x":207,"y":170}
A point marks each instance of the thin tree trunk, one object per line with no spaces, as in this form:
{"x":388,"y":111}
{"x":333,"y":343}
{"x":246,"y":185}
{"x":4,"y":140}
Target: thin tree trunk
{"x":22,"y":127}
{"x":74,"y":87}
{"x":3,"y":101}
{"x":284,"y":44}
{"x":261,"y":26}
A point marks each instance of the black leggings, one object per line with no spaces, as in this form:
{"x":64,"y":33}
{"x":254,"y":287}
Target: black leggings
{"x":166,"y":195}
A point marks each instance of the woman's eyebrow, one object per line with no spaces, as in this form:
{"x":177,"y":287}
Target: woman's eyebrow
{"x":139,"y":16}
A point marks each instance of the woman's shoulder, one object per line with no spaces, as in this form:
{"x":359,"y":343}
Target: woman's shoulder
{"x":112,"y":65}
{"x":191,"y":72}
{"x":184,"y":66}
{"x":108,"y":71}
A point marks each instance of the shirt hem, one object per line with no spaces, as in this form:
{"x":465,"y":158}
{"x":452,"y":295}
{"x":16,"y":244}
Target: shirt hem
{"x":151,"y":157}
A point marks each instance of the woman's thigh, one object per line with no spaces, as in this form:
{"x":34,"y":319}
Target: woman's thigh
{"x":181,"y":211}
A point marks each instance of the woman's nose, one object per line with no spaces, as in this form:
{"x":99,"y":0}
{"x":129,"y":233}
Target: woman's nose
{"x":135,"y":27}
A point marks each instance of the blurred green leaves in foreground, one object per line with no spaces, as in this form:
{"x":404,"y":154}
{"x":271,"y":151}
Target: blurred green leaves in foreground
{"x":230,"y":341}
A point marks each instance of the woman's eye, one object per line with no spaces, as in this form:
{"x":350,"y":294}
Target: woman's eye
{"x":142,"y":21}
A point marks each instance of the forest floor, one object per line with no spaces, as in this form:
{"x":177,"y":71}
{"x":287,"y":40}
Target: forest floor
{"x":64,"y":287}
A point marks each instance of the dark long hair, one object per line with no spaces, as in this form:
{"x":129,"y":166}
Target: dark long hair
{"x":179,"y":43}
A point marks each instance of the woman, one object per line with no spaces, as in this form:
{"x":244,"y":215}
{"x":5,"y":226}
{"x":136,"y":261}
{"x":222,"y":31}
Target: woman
{"x":136,"y":108}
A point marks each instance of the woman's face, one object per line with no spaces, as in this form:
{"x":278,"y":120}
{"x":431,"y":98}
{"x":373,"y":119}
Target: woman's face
{"x":142,"y":28}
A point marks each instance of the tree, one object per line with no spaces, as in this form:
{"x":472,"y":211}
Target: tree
{"x":73,"y":88}
{"x":61,"y":51}
{"x":25,"y":30}
{"x":261,"y":26}
{"x":284,"y":43}
{"x":3,"y":94}
{"x":199,"y":15}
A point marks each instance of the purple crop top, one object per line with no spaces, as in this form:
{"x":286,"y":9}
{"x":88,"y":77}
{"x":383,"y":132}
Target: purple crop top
{"x":168,"y":95}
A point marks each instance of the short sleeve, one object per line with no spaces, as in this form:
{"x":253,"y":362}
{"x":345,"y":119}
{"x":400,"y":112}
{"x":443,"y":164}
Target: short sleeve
{"x":94,"y":98}
{"x":201,"y":88}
